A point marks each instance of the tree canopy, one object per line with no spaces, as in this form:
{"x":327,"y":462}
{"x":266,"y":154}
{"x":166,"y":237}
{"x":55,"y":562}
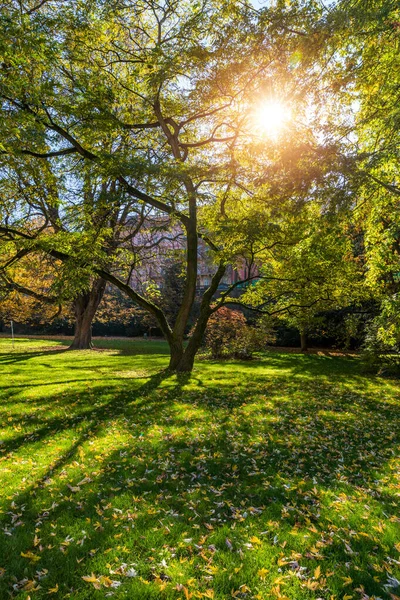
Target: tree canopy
{"x":236,"y":127}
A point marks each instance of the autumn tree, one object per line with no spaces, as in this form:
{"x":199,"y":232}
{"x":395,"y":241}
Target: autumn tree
{"x":26,"y":291}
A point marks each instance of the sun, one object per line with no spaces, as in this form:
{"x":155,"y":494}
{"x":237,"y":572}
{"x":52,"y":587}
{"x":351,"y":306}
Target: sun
{"x":270,"y":118}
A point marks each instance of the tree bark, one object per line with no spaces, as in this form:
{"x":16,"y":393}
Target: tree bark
{"x":176,"y":354}
{"x":186,"y":361}
{"x":303,"y":340}
{"x":189,"y":293}
{"x":85,"y":307}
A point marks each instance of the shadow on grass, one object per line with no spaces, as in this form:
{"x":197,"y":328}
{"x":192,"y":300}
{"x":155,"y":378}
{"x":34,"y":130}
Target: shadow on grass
{"x":12,"y":358}
{"x":210,"y":458}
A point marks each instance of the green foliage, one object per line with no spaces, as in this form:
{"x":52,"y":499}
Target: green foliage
{"x":167,"y":121}
{"x":312,"y":270}
{"x":251,"y":339}
{"x":366,"y":37}
{"x":114,"y":113}
{"x":381,"y":349}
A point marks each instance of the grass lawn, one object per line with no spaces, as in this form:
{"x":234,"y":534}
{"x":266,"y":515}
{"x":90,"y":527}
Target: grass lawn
{"x":276,"y":478}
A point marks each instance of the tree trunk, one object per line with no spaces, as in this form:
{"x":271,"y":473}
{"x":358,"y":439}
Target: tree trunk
{"x":85,"y":306}
{"x":186,"y":361}
{"x":176,"y":354}
{"x":189,"y":293}
{"x":303,"y":340}
{"x":182,"y":359}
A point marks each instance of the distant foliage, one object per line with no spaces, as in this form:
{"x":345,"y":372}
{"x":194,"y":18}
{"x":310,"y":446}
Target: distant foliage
{"x":381,"y":349}
{"x":228,"y":334}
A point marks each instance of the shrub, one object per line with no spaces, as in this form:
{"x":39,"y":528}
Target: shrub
{"x":228,"y":334}
{"x":381,"y":348}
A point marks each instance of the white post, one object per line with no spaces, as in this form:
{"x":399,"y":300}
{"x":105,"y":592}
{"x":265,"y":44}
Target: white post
{"x":12,"y":334}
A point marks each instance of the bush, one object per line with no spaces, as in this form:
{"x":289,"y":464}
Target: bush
{"x":228,"y":334}
{"x":381,"y":348}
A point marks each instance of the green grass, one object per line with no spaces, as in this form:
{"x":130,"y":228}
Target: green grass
{"x":276,"y":478}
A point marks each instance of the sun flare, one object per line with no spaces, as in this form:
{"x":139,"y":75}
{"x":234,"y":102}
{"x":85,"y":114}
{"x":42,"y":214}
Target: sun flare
{"x":270,"y":118}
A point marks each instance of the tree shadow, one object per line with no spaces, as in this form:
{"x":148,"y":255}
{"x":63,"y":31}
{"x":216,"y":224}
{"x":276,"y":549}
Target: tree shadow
{"x":97,"y":415}
{"x":10,"y":359}
{"x":219,"y":462}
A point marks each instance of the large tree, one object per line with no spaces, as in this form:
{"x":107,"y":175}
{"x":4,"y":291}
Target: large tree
{"x":162,"y":99}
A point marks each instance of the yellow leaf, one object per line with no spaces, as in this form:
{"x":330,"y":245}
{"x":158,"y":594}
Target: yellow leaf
{"x":106,"y":581}
{"x":208,"y":594}
{"x":347,"y":580}
{"x":162,"y":584}
{"x":31,"y":586}
{"x":32,"y":557}
{"x":262,"y":573}
{"x":317,"y":572}
{"x":312,"y":585}
{"x":89,"y":578}
{"x":255,"y":540}
{"x":53,"y":590}
{"x":188,"y":594}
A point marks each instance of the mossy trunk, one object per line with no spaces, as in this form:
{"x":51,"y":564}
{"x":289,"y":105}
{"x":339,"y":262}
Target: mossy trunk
{"x":85,"y":307}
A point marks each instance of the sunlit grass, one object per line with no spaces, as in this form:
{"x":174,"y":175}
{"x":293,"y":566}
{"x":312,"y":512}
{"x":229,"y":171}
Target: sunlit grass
{"x":275,"y":478}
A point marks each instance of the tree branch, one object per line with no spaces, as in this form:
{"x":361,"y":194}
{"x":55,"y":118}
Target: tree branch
{"x":13,"y":286}
{"x":274,"y":312}
{"x":140,"y":300}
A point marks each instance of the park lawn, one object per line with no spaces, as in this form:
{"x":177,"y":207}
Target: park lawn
{"x":275,"y":478}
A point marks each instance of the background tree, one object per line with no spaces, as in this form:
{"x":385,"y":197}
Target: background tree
{"x":83,"y":215}
{"x":317,"y":272}
{"x":366,"y":80}
{"x":26,"y":294}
